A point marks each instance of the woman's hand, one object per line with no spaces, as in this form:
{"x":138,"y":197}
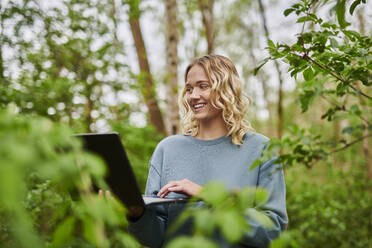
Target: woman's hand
{"x":184,"y":186}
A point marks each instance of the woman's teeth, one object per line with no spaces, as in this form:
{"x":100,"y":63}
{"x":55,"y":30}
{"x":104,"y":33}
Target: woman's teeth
{"x":199,"y":106}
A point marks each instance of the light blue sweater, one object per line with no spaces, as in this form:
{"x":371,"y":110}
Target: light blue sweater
{"x":201,"y":161}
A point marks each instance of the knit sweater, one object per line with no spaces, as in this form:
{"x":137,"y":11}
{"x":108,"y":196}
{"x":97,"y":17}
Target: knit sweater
{"x":201,"y":161}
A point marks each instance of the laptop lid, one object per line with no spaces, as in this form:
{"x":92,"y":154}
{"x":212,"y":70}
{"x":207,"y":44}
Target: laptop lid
{"x":120,"y":176}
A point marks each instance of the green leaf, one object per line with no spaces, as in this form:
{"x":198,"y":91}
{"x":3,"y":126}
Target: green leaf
{"x":348,"y":130}
{"x":63,"y":231}
{"x":353,"y":6}
{"x":260,"y":218}
{"x":306,"y":99}
{"x":261,"y":196}
{"x":308,"y":74}
{"x":232,"y":225}
{"x":255,"y":164}
{"x":204,"y":221}
{"x":89,"y":231}
{"x":288,"y":11}
{"x":284,"y":240}
{"x":127,"y":240}
{"x":304,"y":19}
{"x":214,"y":193}
{"x":255,"y":71}
{"x":341,"y":89}
{"x":340,"y":12}
{"x":191,"y":242}
{"x":352,"y":35}
{"x":271,"y":44}
{"x":354,"y":109}
{"x":246,"y":197}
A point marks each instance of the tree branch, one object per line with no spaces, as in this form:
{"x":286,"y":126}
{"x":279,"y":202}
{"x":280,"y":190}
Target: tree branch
{"x":334,"y":74}
{"x":343,"y":108}
{"x":349,"y":144}
{"x":339,"y":149}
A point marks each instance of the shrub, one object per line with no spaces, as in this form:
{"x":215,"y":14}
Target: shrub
{"x":45,"y":189}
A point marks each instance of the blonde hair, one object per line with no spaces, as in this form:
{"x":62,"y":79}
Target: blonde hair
{"x":226,"y":86}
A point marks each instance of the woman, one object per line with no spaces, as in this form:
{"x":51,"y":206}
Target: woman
{"x":216,"y":146}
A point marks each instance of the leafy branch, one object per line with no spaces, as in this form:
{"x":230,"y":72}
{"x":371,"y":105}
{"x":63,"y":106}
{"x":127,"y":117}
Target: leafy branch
{"x":334,"y":74}
{"x":347,"y":145}
{"x":343,"y":108}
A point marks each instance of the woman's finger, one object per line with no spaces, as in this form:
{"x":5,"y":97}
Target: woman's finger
{"x":176,"y":188}
{"x":108,"y":194}
{"x":165,"y":188}
{"x":166,"y":192}
{"x":100,"y":193}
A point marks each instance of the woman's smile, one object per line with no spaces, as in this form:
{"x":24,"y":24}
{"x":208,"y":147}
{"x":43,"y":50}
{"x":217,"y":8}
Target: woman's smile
{"x":197,"y":107}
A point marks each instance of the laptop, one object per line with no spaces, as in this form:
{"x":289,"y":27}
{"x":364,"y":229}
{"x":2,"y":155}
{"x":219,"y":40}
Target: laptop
{"x":120,"y":177}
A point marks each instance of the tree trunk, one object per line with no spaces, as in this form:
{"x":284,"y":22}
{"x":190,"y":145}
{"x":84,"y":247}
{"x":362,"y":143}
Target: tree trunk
{"x":366,"y":147}
{"x":265,"y":91}
{"x":362,"y":25}
{"x":206,"y":9}
{"x":280,"y":80}
{"x":2,"y":77}
{"x":114,"y":20}
{"x":172,"y":66}
{"x":156,"y":118}
{"x":88,"y":113}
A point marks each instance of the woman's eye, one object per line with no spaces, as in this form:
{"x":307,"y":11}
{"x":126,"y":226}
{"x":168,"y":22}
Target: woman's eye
{"x":204,"y":86}
{"x":188,"y":89}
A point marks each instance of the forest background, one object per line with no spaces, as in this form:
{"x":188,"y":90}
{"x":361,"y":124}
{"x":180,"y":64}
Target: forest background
{"x":78,"y":66}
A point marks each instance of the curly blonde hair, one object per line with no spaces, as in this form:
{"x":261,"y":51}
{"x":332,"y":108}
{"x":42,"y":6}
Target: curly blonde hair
{"x":228,"y":96}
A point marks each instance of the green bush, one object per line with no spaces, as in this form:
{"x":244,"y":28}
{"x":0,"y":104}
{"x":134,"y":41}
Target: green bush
{"x":46,"y":198}
{"x":330,"y":207}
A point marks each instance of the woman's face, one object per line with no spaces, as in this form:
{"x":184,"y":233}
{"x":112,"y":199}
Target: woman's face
{"x":198,"y":92}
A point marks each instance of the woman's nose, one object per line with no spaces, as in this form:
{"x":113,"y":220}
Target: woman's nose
{"x":195,"y":94}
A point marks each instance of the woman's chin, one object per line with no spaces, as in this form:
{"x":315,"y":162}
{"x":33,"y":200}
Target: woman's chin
{"x":200,"y":115}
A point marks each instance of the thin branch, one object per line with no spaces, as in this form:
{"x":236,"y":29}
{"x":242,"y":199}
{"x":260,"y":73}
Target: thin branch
{"x":344,"y":109}
{"x":349,"y":144}
{"x":334,"y":74}
{"x":338,"y":150}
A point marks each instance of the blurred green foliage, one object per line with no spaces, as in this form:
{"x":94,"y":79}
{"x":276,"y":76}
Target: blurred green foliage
{"x":45,"y":189}
{"x":332,"y":211}
{"x":46,"y":198}
{"x":216,"y":210}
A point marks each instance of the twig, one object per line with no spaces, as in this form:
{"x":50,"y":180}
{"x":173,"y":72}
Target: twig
{"x":339,"y":149}
{"x":349,"y":144}
{"x":334,"y":74}
{"x":344,"y":109}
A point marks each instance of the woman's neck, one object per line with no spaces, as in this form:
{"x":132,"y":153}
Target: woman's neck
{"x":209,"y":130}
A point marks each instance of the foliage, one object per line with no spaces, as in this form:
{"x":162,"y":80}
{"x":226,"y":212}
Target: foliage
{"x":218,"y":210}
{"x":336,"y":65}
{"x":338,"y":205}
{"x":74,"y":68}
{"x":45,"y":189}
{"x":70,"y":66}
{"x":336,"y":68}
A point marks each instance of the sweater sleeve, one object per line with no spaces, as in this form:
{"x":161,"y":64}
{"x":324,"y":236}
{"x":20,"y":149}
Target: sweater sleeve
{"x":149,"y":229}
{"x":271,"y":178}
